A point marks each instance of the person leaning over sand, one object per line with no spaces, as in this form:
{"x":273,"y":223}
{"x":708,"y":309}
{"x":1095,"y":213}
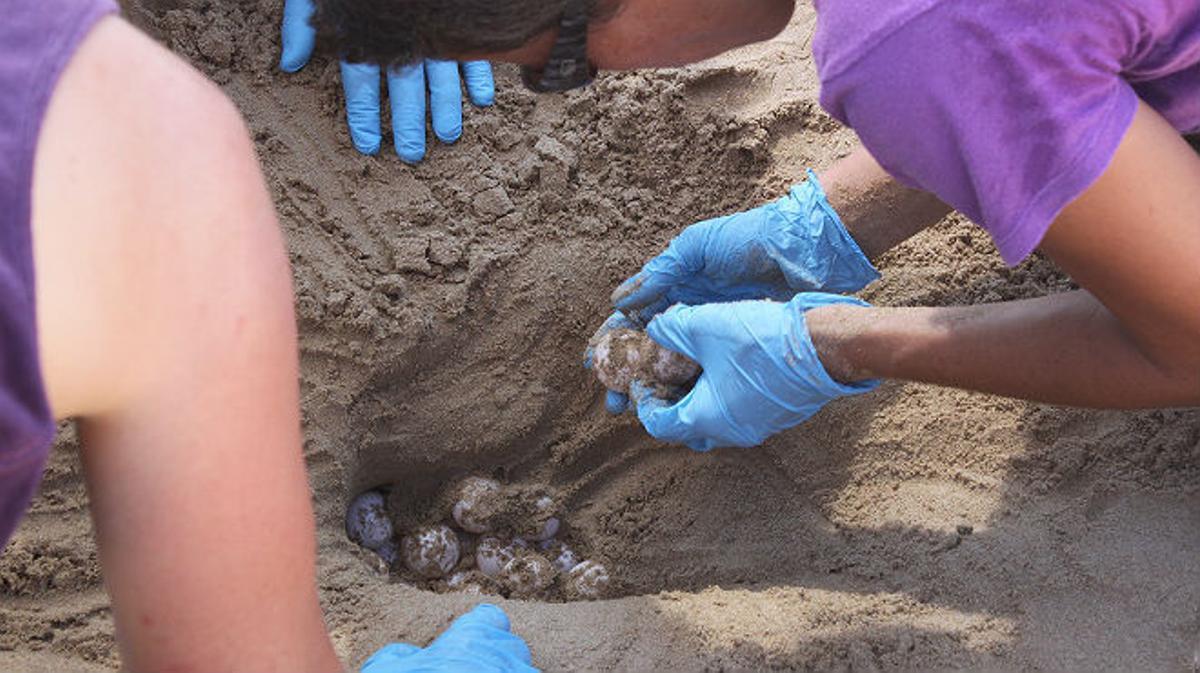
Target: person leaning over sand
{"x":1054,"y":125}
{"x":132,"y":208}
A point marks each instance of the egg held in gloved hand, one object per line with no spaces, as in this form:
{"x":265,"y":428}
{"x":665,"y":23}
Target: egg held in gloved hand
{"x":621,"y":356}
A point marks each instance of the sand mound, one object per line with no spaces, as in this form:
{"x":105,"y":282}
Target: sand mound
{"x":443,"y":312}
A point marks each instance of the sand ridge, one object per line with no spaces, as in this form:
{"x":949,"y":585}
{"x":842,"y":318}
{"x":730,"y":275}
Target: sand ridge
{"x":444,"y":310}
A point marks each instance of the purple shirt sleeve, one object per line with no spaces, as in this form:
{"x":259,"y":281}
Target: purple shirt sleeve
{"x":37,"y":39}
{"x":1006,"y":110}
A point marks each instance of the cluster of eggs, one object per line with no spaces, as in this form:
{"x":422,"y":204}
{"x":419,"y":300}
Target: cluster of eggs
{"x":477,"y":557}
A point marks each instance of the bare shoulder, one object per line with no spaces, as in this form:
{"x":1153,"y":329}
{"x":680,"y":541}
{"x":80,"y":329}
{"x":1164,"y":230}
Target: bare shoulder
{"x":145,"y":115}
{"x":131,"y":81}
{"x":146,"y":187}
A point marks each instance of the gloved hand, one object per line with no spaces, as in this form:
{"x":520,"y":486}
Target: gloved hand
{"x":477,"y":642}
{"x":761,"y":373}
{"x":796,"y":244}
{"x":406,"y":89}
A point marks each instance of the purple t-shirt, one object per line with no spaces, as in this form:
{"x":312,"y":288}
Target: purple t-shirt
{"x":37,"y":37}
{"x":1006,"y":109}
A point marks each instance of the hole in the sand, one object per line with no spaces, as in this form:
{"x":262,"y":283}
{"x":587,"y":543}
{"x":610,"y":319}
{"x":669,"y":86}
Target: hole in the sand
{"x":477,"y":535}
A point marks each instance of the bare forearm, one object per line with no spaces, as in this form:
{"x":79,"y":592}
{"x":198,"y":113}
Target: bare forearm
{"x":1063,"y":349}
{"x":879,"y":212}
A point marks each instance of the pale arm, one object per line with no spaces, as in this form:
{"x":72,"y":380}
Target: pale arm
{"x":166,"y":327}
{"x":1130,"y":339}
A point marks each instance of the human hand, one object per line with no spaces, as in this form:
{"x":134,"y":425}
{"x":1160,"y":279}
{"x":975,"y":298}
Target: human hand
{"x":761,"y":372}
{"x":477,"y":642}
{"x":795,"y":244}
{"x":406,"y":90}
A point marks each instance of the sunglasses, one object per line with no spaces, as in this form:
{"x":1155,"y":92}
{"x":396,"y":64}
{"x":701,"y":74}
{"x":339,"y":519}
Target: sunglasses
{"x":568,"y":67}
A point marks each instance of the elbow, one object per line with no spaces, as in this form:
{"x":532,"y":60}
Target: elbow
{"x":1179,"y":369}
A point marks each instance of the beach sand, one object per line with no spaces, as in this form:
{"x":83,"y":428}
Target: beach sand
{"x":443,"y":311}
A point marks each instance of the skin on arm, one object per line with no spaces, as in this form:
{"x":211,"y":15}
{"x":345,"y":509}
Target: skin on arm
{"x":165,"y":325}
{"x":879,"y":212}
{"x":1130,"y":339}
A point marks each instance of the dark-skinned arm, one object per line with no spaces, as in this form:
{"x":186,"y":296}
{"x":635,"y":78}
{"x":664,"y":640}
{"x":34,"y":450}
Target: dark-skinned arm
{"x":1129,"y":339}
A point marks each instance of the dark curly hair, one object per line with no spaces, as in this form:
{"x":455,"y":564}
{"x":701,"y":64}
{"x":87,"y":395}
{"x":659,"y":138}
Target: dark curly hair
{"x":397,"y":32}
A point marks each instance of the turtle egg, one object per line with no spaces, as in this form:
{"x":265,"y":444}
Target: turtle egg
{"x":465,"y":582}
{"x":527,"y":573}
{"x":430,"y":552}
{"x":390,"y":553}
{"x":472,"y":493}
{"x":491,"y":554}
{"x":549,"y":529}
{"x":562,"y":556}
{"x":466,"y":550}
{"x":622,"y":355}
{"x":367,"y":521}
{"x":588,"y":580}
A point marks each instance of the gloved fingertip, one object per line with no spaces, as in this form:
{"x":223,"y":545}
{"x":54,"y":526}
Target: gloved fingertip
{"x":360,"y":85}
{"x":448,"y":136}
{"x":616,"y":320}
{"x":445,"y":99}
{"x":406,"y":88}
{"x":616,"y":403}
{"x":364,"y":131}
{"x":481,"y":85}
{"x":410,"y":154}
{"x":645,"y":293}
{"x":624,"y":295}
{"x":291,"y":61}
{"x":638,"y":391}
{"x":366,"y":143}
{"x":669,"y":329}
{"x":647,"y":313}
{"x":408,"y":136}
{"x":388,"y":656}
{"x":653,"y":417}
{"x":482,"y":97}
{"x":297,"y":35}
{"x":486,"y":614}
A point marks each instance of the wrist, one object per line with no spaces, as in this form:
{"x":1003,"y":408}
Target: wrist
{"x":811,"y":245}
{"x":837,"y":333}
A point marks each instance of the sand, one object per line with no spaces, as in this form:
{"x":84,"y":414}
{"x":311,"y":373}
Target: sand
{"x":443,"y":312}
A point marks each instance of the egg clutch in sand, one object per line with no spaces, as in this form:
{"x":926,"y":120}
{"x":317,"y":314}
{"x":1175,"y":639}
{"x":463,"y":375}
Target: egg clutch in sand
{"x":481,"y":537}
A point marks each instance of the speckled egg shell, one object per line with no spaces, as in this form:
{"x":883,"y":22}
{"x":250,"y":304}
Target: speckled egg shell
{"x":491,"y":554}
{"x":549,"y":529}
{"x":622,"y":355}
{"x":367,"y":521}
{"x":587,"y":581}
{"x":471,"y":493}
{"x":527,"y":573}
{"x":562,"y":556}
{"x":430,"y":552}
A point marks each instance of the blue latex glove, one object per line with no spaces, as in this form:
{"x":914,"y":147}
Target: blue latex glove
{"x":796,"y":244}
{"x":477,"y":642}
{"x":406,"y":89}
{"x":761,"y":372}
